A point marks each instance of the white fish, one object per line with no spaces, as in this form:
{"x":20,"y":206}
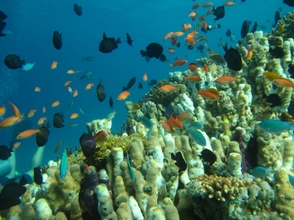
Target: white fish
{"x":28,"y":66}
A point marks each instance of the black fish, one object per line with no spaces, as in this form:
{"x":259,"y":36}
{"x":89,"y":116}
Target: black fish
{"x":254,"y":28}
{"x":129,"y":40}
{"x":233,"y":58}
{"x":108,"y":44}
{"x":243,"y":0}
{"x":78,"y":9}
{"x":228,"y":33}
{"x":277,"y":52}
{"x":277,"y":17}
{"x":153,"y":50}
{"x":274,"y":100}
{"x":181,"y":163}
{"x":152,"y":82}
{"x":131,"y":83}
{"x":5,"y":152}
{"x":140,"y":85}
{"x":88,"y":149}
{"x":11,"y":192}
{"x":208,"y":156}
{"x":219,"y":12}
{"x":42,"y":136}
{"x":13,"y":61}
{"x":289,"y":2}
{"x":111,"y":102}
{"x":100,"y":91}
{"x":124,"y":88}
{"x":2,"y":26}
{"x":57,"y":40}
{"x":38,"y":178}
{"x":3,"y":16}
{"x":245,"y":28}
{"x":200,"y":48}
{"x":58,"y":120}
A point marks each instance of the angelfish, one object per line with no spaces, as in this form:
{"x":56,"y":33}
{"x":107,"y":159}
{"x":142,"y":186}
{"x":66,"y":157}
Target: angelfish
{"x":63,"y":165}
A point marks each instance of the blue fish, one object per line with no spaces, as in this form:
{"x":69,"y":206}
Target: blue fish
{"x":275,"y":126}
{"x":130,"y":169}
{"x":260,"y":172}
{"x":146,"y":122}
{"x":195,"y":125}
{"x":63,"y":165}
{"x":28,"y":66}
{"x":197,"y":137}
{"x":291,"y":180}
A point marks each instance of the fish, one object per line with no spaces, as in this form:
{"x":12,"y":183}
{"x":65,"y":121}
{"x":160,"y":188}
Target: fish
{"x":70,"y":103}
{"x":209,"y":94}
{"x":224,"y":80}
{"x":111,"y":115}
{"x":153,"y":50}
{"x":99,"y":137}
{"x":274,"y":100}
{"x":81,"y":111}
{"x":71,"y":125}
{"x":14,"y":109}
{"x":86,"y":75}
{"x":195,"y":125}
{"x":178,"y":63}
{"x":233,"y":58}
{"x":41,"y":120}
{"x":275,"y":126}
{"x":5,"y":152}
{"x":74,"y":116}
{"x":54,"y":65}
{"x":217,"y":58}
{"x":13,"y":61}
{"x":219,"y":12}
{"x":28,"y":66}
{"x":196,"y":5}
{"x":57,"y":40}
{"x":228,"y":33}
{"x":271,"y":75}
{"x":152,"y":82}
{"x":207,"y":4}
{"x":208,"y":156}
{"x":16,"y":145}
{"x":145,"y":77}
{"x":10,"y":121}
{"x":78,"y":9}
{"x":131,"y":83}
{"x":11,"y":192}
{"x":197,"y":136}
{"x":129,"y":40}
{"x":100,"y":91}
{"x":254,"y":28}
{"x":55,"y":104}
{"x":3,"y":16}
{"x":180,"y":161}
{"x":259,"y":172}
{"x":67,"y":83}
{"x":38,"y":178}
{"x":283,"y":82}
{"x":245,"y":28}
{"x":27,"y":133}
{"x":123,"y":95}
{"x":130,"y":168}
{"x":291,"y":179}
{"x":88,"y":58}
{"x":63,"y":165}
{"x":58,"y":120}
{"x":110,"y":102}
{"x":289,"y":2}
{"x":167,"y":127}
{"x":57,"y":146}
{"x":140,"y":85}
{"x":107,"y":44}
{"x":75,"y":93}
{"x":89,"y":86}
{"x":168,"y":88}
{"x":277,"y":52}
{"x":2,"y":111}
{"x":146,"y":121}
{"x":175,"y":42}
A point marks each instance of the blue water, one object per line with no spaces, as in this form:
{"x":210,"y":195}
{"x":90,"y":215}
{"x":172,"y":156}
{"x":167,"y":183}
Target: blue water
{"x":33,"y":23}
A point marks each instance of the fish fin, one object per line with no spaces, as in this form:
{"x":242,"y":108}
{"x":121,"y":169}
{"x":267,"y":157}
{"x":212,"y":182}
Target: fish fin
{"x":118,"y":41}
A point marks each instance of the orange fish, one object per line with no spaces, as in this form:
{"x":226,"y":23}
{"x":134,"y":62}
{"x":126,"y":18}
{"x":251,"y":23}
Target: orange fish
{"x":207,"y":94}
{"x":192,"y":34}
{"x":75,"y":93}
{"x":89,"y":86}
{"x":192,"y":67}
{"x":67,"y":83}
{"x":41,"y":120}
{"x":168,"y":88}
{"x":205,"y":67}
{"x":249,"y":53}
{"x":192,"y":14}
{"x":178,"y":63}
{"x":54,"y":65}
{"x":174,"y":122}
{"x":207,"y":4}
{"x":183,"y":116}
{"x":27,"y":133}
{"x":283,"y":82}
{"x":123,"y":95}
{"x":74,"y":115}
{"x":228,"y":3}
{"x":31,"y":113}
{"x":193,"y":78}
{"x":196,"y":5}
{"x":14,"y":109}
{"x":44,"y":109}
{"x":55,"y":104}
{"x":178,"y":34}
{"x":210,"y":11}
{"x":190,"y":41}
{"x":168,"y":35}
{"x":225,"y":80}
{"x":186,"y":27}
{"x":271,"y":75}
{"x":16,"y":145}
{"x":145,"y":78}
{"x":167,"y":127}
{"x":10,"y":121}
{"x":37,"y":89}
{"x":71,"y":72}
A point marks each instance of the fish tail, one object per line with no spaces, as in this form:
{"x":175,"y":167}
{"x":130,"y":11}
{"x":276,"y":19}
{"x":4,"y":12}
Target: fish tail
{"x":118,"y":41}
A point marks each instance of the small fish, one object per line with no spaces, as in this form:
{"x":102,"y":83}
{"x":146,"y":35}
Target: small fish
{"x":81,"y":111}
{"x":123,"y":95}
{"x":180,"y":161}
{"x":108,"y":44}
{"x":245,"y":28}
{"x":110,"y":102}
{"x":146,"y":121}
{"x":75,"y":93}
{"x":78,"y":9}
{"x":54,"y":65}
{"x":57,"y":40}
{"x":14,"y":109}
{"x":129,"y":40}
{"x":140,"y":85}
{"x":38,"y":178}
{"x":67,"y":83}
{"x":41,"y":120}
{"x":136,"y":106}
{"x":13,"y":61}
{"x":58,"y":120}
{"x":86,"y":75}
{"x":195,"y":125}
{"x":209,"y":94}
{"x":197,"y":136}
{"x":88,"y":58}
{"x":223,"y":80}
{"x":275,"y":126}
{"x":274,"y":100}
{"x":219,"y":12}
{"x":42,"y":136}
{"x":57,"y":146}
{"x":167,"y":127}
{"x":152,"y":82}
{"x":233,"y":58}
{"x":130,"y":168}
{"x":89,"y":86}
{"x":207,"y":4}
{"x":43,"y":109}
{"x":99,"y":137}
{"x":271,"y":75}
{"x":277,"y":52}
{"x":192,"y":67}
{"x":208,"y":156}
{"x":63,"y":165}
{"x":100,"y":91}
{"x":10,"y":121}
{"x":168,"y":88}
{"x":260,"y":172}
{"x":16,"y":145}
{"x":55,"y":104}
{"x":28,"y":66}
{"x":283,"y":82}
{"x":27,"y":133}
{"x":178,"y":63}
{"x":145,"y":77}
{"x":37,"y":89}
{"x":5,"y":152}
{"x":74,"y":115}
{"x":193,"y":78}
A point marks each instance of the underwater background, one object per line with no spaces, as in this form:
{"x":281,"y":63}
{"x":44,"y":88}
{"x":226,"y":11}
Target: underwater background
{"x":32,"y":24}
